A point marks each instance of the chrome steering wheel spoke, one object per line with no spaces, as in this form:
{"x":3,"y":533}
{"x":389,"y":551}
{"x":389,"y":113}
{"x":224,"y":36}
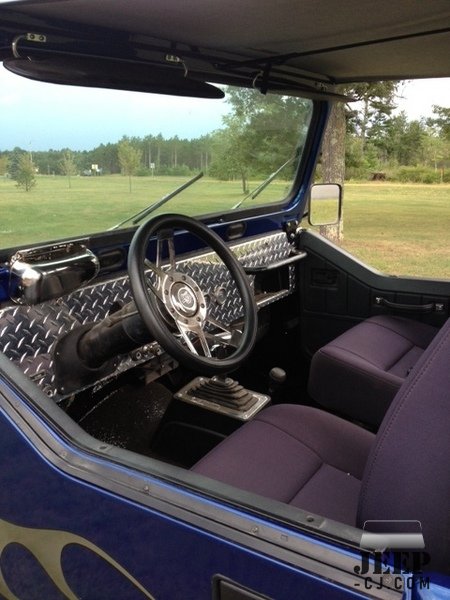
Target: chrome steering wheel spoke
{"x":227,"y":336}
{"x":165,"y":236}
{"x":156,"y":289}
{"x":200,"y":335}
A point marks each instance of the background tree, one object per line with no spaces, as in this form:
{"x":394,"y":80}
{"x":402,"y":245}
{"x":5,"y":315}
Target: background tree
{"x":333,"y":146}
{"x":232,"y":154}
{"x":48,"y":162}
{"x":3,"y":164}
{"x":25,"y":172}
{"x":13,"y":161}
{"x":437,"y":153}
{"x":260,"y":134}
{"x":372,"y":111}
{"x":68,"y":166}
{"x":437,"y":143}
{"x":129,"y":159}
{"x":106,"y":156}
{"x":440,"y":122}
{"x":366,"y":118}
{"x":333,"y":161}
{"x":402,"y":141}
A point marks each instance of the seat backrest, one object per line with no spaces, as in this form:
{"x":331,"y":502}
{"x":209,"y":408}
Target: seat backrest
{"x":407,"y":475}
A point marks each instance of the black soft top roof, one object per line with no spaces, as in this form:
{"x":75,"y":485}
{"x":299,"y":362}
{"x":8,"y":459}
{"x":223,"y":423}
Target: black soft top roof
{"x":273,"y":44}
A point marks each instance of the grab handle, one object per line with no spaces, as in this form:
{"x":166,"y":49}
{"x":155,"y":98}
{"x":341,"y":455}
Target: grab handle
{"x":422,"y":308}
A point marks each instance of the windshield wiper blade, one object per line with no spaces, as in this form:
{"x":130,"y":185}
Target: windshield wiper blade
{"x":262,"y":186}
{"x":139,"y":216}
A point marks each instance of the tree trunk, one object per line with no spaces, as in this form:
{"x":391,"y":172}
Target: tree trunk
{"x":244,"y":182}
{"x":364,"y":122}
{"x":333,"y":146}
{"x":333,"y":162}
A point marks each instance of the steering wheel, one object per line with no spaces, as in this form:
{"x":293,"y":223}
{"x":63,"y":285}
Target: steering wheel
{"x":174,"y":307}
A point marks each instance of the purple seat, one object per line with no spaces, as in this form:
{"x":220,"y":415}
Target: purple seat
{"x":289,"y":453}
{"x":318,"y":462}
{"x":358,"y":374}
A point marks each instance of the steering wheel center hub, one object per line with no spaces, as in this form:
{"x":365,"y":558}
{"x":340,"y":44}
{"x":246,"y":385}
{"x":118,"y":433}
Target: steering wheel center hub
{"x":184,"y":299}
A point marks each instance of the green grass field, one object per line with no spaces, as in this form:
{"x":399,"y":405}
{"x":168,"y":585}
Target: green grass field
{"x":398,"y":229}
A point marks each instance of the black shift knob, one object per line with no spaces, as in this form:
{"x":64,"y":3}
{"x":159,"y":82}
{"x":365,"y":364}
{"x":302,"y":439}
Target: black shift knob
{"x":277,"y":376}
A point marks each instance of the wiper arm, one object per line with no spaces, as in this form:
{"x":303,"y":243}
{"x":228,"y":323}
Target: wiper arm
{"x":262,"y":186}
{"x":139,"y":216}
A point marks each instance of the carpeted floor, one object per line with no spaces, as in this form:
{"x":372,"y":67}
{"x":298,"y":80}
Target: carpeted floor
{"x":129,"y":417}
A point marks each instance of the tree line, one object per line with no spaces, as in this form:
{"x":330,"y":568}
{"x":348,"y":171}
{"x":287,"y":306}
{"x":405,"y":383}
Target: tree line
{"x":171,"y":156}
{"x":380,"y":140}
{"x":259,"y":134}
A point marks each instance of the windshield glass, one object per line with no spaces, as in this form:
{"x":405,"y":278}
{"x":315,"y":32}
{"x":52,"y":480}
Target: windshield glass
{"x":75,"y":161}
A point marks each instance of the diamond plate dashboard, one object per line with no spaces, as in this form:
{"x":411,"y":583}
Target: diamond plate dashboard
{"x":28,"y":334}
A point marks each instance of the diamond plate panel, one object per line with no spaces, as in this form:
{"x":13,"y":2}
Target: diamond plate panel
{"x":28,"y":334}
{"x":254,"y":253}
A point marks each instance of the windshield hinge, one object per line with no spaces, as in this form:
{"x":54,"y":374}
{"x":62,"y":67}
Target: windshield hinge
{"x":290,"y":227}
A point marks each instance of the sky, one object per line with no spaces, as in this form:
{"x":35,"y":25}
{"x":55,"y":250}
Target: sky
{"x":420,"y":95}
{"x":81,"y":119}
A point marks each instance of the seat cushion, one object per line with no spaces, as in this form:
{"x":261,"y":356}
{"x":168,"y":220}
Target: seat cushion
{"x":298,"y":455}
{"x":359,"y":373}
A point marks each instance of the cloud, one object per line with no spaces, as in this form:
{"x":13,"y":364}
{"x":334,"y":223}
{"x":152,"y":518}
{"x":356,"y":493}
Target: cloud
{"x":419,"y":96}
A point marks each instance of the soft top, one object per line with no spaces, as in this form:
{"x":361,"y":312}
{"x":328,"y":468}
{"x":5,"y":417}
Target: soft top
{"x":270,"y":45}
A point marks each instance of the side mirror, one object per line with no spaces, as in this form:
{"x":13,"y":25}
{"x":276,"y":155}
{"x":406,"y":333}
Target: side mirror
{"x":325,"y":204}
